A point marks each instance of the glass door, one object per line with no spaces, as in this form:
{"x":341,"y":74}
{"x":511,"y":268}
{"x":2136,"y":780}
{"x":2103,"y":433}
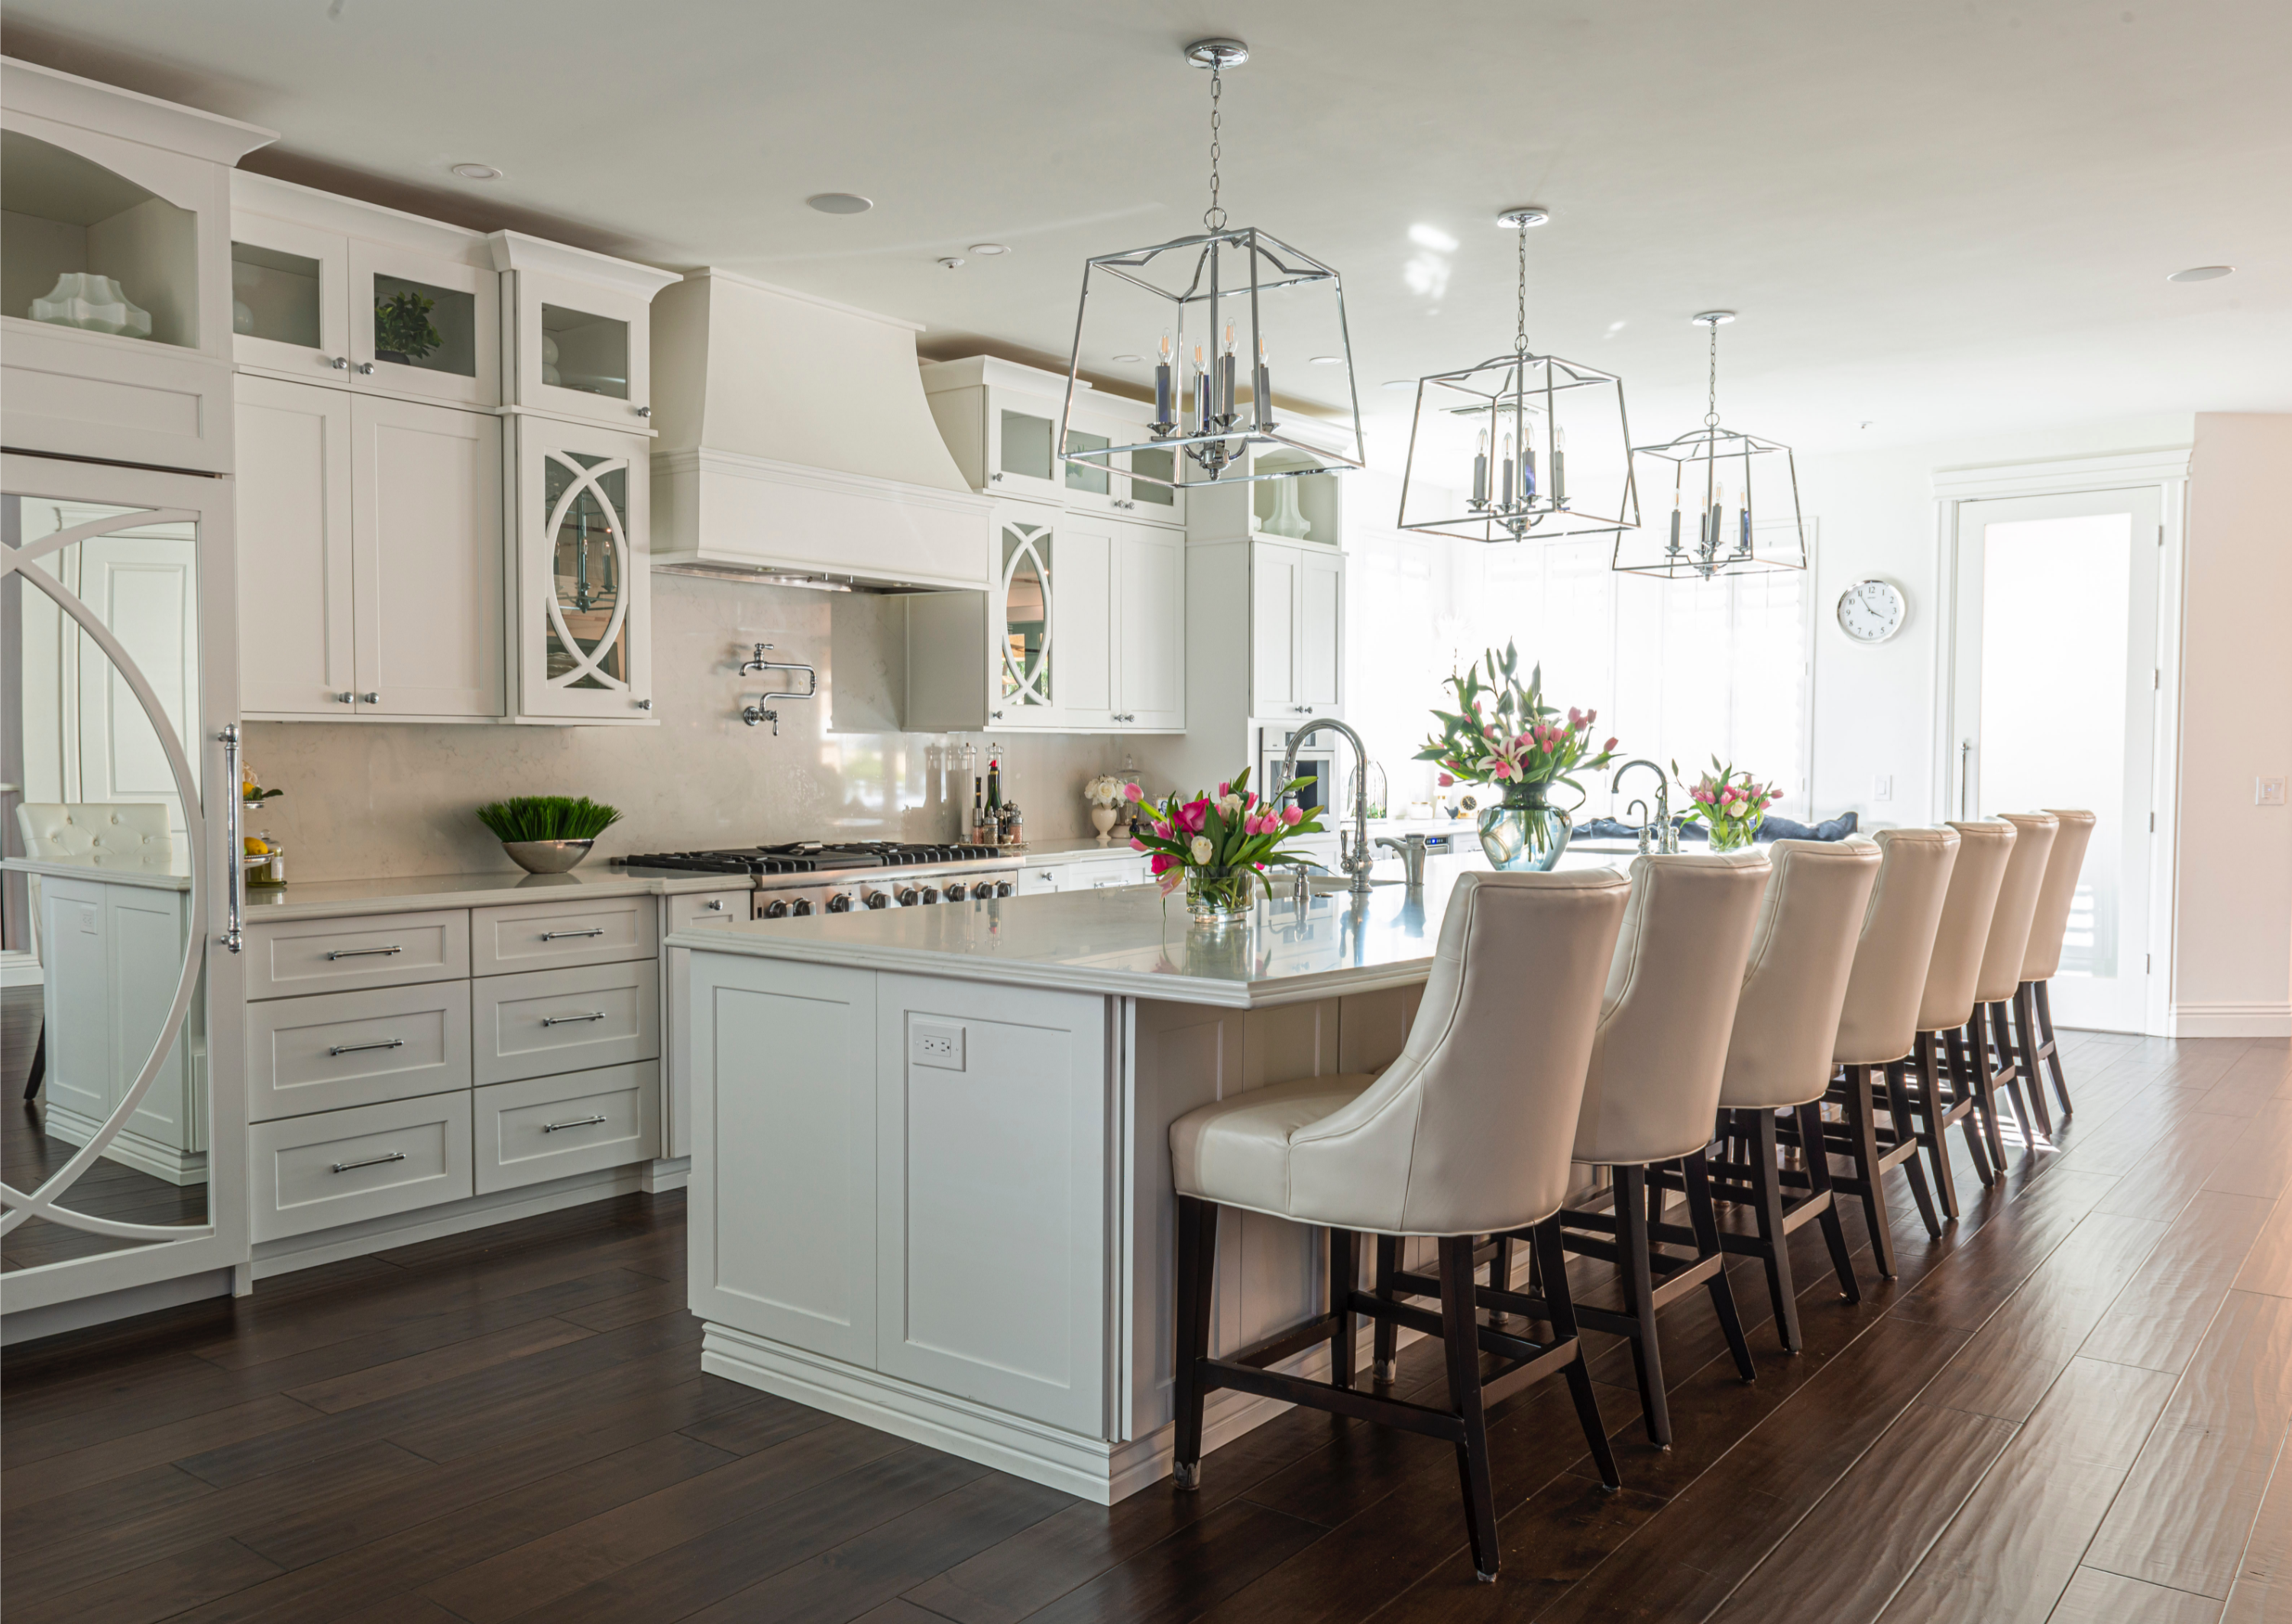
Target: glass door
{"x":2054,"y":685}
{"x":290,"y":303}
{"x":127,"y":1165}
{"x":1023,"y":656}
{"x":424,"y":326}
{"x":583,"y":617}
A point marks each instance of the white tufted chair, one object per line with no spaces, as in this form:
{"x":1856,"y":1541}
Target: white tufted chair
{"x":1778,"y":1056}
{"x":1652,"y":1094}
{"x":2033,"y":1003}
{"x":1466,"y":1134}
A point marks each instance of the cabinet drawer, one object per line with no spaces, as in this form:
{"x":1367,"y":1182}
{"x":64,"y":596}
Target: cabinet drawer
{"x":532,"y":935}
{"x":563,"y":1020}
{"x":285,"y":957}
{"x":341,"y":1167}
{"x":356,"y":1049}
{"x":706,"y":908}
{"x":548,"y":1126}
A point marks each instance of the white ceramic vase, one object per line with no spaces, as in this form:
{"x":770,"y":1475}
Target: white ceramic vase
{"x":1288,"y":520}
{"x":81,"y":299}
{"x":1102,"y":818}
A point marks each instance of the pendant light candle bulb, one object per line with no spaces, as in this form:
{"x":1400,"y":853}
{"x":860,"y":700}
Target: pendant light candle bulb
{"x":1260,"y":389}
{"x":1225,"y":380}
{"x":1481,"y":471}
{"x":1508,"y":471}
{"x":1163,"y":421}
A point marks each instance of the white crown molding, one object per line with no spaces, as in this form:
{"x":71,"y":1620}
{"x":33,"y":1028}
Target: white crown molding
{"x":516,"y":251}
{"x":2063,"y":474}
{"x":26,"y":87}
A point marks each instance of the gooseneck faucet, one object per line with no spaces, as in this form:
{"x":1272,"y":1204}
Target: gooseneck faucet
{"x":1360,"y":860}
{"x":1667,"y":836}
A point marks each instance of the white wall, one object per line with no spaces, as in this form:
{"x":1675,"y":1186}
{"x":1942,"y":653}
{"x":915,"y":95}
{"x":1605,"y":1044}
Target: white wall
{"x":2232,"y":946}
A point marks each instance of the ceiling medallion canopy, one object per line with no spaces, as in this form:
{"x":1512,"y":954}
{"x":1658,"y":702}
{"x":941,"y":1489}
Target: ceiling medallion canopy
{"x":1734,"y":498}
{"x":1215,"y":311}
{"x":1522,"y":444}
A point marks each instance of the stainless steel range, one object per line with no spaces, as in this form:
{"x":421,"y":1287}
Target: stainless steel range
{"x":808,"y":877}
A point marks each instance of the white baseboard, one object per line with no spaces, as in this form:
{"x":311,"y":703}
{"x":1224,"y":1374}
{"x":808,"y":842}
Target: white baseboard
{"x":2269,"y":1020}
{"x":54,"y":1319}
{"x":293,"y":1252}
{"x":668,"y":1173}
{"x":20,"y":969}
{"x":129,"y":1148}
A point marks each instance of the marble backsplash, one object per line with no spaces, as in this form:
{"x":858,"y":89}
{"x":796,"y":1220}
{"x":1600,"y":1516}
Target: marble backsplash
{"x":367,"y":801}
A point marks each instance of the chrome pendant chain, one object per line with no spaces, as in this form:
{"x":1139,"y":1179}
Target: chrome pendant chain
{"x":1213,"y":216}
{"x":1520,"y":304}
{"x":1711,"y":407}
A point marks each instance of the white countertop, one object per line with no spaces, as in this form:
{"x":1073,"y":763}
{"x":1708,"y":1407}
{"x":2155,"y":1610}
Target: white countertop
{"x":1124,"y":940}
{"x":166,"y":874}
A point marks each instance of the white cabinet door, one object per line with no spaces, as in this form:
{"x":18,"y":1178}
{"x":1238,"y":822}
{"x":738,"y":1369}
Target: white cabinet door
{"x":1150,"y":628}
{"x":1024,"y":691}
{"x":294,"y":549}
{"x":424,"y":326}
{"x":584,"y":573}
{"x":426,"y":554}
{"x":1321,"y":629}
{"x":290,"y":300}
{"x":1274,"y":592}
{"x":1081,"y":623}
{"x":578,"y":349}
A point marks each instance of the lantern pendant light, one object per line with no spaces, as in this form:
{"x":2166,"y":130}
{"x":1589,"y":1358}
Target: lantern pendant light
{"x":1734,"y":498}
{"x":1523,"y":445}
{"x":1219,"y":311}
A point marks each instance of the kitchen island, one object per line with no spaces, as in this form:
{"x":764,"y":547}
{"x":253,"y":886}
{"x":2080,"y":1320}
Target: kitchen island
{"x":931,"y":1184}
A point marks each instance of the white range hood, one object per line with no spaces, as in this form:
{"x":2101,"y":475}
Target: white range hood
{"x":795,"y":442}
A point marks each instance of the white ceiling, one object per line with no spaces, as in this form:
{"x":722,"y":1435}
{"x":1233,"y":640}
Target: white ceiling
{"x":1937,"y":220}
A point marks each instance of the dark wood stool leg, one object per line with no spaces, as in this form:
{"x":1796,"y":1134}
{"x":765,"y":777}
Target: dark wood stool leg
{"x":1385,"y":1335}
{"x":1767,"y":1208}
{"x":1548,"y":1259}
{"x":1632,"y":1242}
{"x":1197,"y":1276}
{"x":1969,"y":1080}
{"x":1460,"y":1340}
{"x":1862,"y":1138}
{"x":1818,"y":1179}
{"x":1703,"y":1217}
{"x":2041,"y":998}
{"x":1345,"y":1278}
{"x":1500,"y":1268}
{"x":2028,"y":1105}
{"x":1909,"y":1120}
{"x":1921,"y":1112}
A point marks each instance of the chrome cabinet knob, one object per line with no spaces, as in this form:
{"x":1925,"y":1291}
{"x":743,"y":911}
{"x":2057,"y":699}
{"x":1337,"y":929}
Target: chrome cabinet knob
{"x":340,"y":363}
{"x":644,"y":704}
{"x":717,"y":906}
{"x":370,"y":699}
{"x":344,"y":699}
{"x":366,"y":369}
{"x":644,"y":411}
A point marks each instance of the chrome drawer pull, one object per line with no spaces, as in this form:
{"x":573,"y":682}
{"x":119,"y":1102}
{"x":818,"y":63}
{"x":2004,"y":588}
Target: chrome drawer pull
{"x":361,"y":953}
{"x":352,"y":1048}
{"x":568,"y":1020}
{"x":578,"y":1121}
{"x":344,"y":1167}
{"x":559,"y":936}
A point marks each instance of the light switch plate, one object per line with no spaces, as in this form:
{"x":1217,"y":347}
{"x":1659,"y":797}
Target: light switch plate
{"x":2268,"y":792}
{"x":1882,"y":787}
{"x":936,"y":1043}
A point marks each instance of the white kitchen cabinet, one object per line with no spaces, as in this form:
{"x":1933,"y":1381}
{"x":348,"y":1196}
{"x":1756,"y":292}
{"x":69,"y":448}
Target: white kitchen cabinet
{"x":577,"y":331}
{"x":1000,"y":421}
{"x":584,"y":575}
{"x":1296,"y":652}
{"x":1149,"y":629}
{"x":370,"y":563}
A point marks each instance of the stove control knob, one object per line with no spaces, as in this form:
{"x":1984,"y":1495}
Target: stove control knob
{"x":776,"y":910}
{"x":955,"y":893}
{"x":839,"y":903}
{"x":878,"y":899}
{"x":930,"y":893}
{"x":803,"y":907}
{"x":1004,"y":887}
{"x":909,"y":897}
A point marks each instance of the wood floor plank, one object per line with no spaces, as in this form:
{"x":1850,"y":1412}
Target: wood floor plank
{"x":420,"y":1371}
{"x":154,"y":1590}
{"x":2268,"y":1265}
{"x":2161,"y":1316}
{"x":2264,"y":1581}
{"x":2260,"y":1163}
{"x":1982,"y":1275}
{"x":2187,"y":1506}
{"x":119,"y":1457}
{"x":2014,"y":1546}
{"x":2095,"y":1598}
{"x":1186,"y":1574}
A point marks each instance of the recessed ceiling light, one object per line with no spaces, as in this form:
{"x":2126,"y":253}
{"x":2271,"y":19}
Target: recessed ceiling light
{"x":1400,"y":383}
{"x":2200,"y":273}
{"x":989,"y":249}
{"x":477,"y":172}
{"x":1329,"y":360}
{"x":1133,"y":358}
{"x":840,"y":202}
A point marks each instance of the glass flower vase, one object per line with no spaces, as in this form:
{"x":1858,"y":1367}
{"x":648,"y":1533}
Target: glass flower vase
{"x":1220,"y":896}
{"x":1733,"y":833}
{"x":1525,"y":831}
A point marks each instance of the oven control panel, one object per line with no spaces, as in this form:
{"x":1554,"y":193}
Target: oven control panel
{"x":885,"y":888}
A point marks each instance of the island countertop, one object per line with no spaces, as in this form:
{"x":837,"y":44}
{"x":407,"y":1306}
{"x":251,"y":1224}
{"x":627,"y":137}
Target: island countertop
{"x":1126,"y":941}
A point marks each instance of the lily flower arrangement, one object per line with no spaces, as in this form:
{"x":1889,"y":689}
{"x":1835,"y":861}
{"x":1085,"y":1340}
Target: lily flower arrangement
{"x":1730,"y":805}
{"x":1219,"y":846}
{"x":1502,"y":732}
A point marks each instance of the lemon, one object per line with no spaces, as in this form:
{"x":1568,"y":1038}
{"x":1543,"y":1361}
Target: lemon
{"x":255,"y":845}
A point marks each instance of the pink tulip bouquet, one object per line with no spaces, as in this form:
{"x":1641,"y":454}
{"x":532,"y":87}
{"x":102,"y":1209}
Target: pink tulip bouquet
{"x":1503,"y":733}
{"x":1218,"y":846}
{"x":1730,"y":805}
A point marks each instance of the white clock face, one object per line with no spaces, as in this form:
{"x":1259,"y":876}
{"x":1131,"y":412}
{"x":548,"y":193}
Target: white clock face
{"x":1871,"y":611}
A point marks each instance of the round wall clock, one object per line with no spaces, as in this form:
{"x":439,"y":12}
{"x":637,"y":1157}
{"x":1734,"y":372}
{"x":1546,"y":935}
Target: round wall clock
{"x":1871,"y":611}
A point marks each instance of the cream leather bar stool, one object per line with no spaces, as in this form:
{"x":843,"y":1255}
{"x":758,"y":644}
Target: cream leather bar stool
{"x":1466,"y":1134}
{"x":1652,"y":1095}
{"x":1991,"y":1035}
{"x":1948,"y":1087}
{"x":1877,"y":1027}
{"x":2033,"y":1000}
{"x":1778,"y":1057}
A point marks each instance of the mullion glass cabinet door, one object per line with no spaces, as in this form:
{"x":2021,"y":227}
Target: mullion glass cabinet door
{"x":1023,"y":651}
{"x":586,"y":605}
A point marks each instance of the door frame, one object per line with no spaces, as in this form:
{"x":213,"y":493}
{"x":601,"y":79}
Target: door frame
{"x":220,"y":1244}
{"x":2165,"y":472}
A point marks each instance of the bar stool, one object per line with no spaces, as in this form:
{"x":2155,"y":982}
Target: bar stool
{"x":1940,"y":1079}
{"x":1778,"y":1057}
{"x":2033,"y":1000}
{"x":1878,"y":1026}
{"x":1652,"y":1095}
{"x":1466,"y":1134}
{"x":1991,"y":1035}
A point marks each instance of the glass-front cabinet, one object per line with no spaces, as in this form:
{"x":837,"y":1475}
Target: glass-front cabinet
{"x":577,"y":334}
{"x":1024,"y":690}
{"x":1001,"y":422}
{"x":584,"y":595}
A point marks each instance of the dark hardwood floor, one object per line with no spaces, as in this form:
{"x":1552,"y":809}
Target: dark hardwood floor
{"x":28,"y":1154}
{"x":2074,"y":1406}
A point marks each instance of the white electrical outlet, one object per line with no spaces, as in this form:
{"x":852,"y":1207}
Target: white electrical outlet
{"x":2268,"y":792}
{"x":1882,"y":787}
{"x":936,"y":1044}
